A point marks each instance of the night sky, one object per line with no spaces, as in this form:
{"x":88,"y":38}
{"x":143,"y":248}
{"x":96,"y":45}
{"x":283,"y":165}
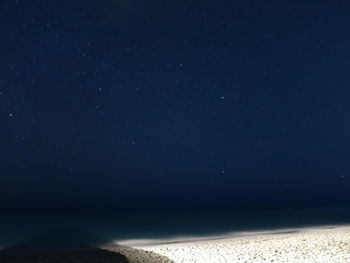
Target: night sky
{"x":131,"y":103}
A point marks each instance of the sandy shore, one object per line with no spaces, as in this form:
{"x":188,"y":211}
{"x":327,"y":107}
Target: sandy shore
{"x":306,"y":245}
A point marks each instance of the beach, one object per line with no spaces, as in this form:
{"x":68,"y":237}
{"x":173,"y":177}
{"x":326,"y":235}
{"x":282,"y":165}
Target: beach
{"x":325,"y":244}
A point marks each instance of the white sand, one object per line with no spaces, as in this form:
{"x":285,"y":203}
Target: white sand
{"x":307,"y":245}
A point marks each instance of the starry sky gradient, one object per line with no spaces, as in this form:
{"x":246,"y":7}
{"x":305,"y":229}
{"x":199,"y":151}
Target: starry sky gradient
{"x":171,"y":103}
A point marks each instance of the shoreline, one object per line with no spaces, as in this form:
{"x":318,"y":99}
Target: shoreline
{"x":143,"y":242}
{"x":321,"y":244}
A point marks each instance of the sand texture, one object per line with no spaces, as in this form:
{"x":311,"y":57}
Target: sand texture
{"x":308,"y":245}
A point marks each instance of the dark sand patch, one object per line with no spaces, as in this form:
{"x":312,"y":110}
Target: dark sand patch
{"x":118,"y":255}
{"x":85,"y":256}
{"x":135,"y":255}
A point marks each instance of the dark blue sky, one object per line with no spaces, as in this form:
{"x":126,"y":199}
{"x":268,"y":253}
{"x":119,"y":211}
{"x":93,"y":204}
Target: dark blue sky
{"x":154,"y":103}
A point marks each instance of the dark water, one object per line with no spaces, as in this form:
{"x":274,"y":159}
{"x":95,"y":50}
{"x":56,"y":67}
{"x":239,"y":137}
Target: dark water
{"x":48,"y":231}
